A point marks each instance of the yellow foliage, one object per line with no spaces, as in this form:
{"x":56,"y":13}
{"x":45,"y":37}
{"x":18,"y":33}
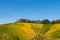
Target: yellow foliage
{"x":53,"y":29}
{"x":37,"y":25}
{"x":29,"y":31}
{"x":26,"y":29}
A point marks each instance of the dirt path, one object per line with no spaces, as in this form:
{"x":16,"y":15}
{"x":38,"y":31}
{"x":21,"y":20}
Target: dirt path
{"x":40,"y":38}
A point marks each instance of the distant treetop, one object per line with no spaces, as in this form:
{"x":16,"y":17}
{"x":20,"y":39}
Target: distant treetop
{"x":44,"y":21}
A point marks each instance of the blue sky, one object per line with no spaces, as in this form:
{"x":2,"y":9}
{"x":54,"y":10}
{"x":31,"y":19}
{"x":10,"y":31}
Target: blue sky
{"x":12,"y":10}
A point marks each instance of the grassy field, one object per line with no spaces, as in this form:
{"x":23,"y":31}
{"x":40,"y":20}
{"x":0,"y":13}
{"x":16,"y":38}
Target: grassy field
{"x":29,"y":31}
{"x":54,"y":32}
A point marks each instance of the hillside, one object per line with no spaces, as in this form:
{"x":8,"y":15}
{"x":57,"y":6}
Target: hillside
{"x":29,"y":31}
{"x":24,"y":31}
{"x":54,"y":32}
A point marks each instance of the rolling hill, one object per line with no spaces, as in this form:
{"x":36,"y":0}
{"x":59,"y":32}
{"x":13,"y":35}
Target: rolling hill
{"x":29,"y":31}
{"x":21,"y":31}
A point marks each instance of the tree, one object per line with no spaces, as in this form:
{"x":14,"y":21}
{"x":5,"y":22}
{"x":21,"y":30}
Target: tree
{"x":25,"y":20}
{"x":55,"y":21}
{"x":45,"y":21}
{"x":21,"y":20}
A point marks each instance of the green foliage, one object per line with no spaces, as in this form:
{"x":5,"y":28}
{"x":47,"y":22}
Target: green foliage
{"x":7,"y":33}
{"x":55,"y":21}
{"x":24,"y":20}
{"x":44,"y":21}
{"x":37,"y":30}
{"x":56,"y":34}
{"x":45,"y":28}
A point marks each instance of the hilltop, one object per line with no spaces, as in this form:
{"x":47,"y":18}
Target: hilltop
{"x":29,"y":31}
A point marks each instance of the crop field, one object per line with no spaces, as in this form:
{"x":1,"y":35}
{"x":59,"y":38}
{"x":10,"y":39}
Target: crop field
{"x":29,"y":31}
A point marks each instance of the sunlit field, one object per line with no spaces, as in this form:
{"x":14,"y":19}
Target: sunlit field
{"x":29,"y":31}
{"x":19,"y":31}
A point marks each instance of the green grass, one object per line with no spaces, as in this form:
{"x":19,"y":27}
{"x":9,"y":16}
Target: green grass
{"x":37,"y":30}
{"x":45,"y":28}
{"x":11,"y":34}
{"x":8,"y":32}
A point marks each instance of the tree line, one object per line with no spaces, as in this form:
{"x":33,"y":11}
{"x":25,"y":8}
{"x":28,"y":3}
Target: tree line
{"x":44,"y":21}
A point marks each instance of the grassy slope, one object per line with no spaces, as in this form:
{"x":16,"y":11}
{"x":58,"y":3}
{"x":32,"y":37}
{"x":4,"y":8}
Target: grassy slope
{"x":45,"y":28}
{"x":49,"y":32}
{"x":27,"y":31}
{"x":21,"y":31}
{"x":54,"y":32}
